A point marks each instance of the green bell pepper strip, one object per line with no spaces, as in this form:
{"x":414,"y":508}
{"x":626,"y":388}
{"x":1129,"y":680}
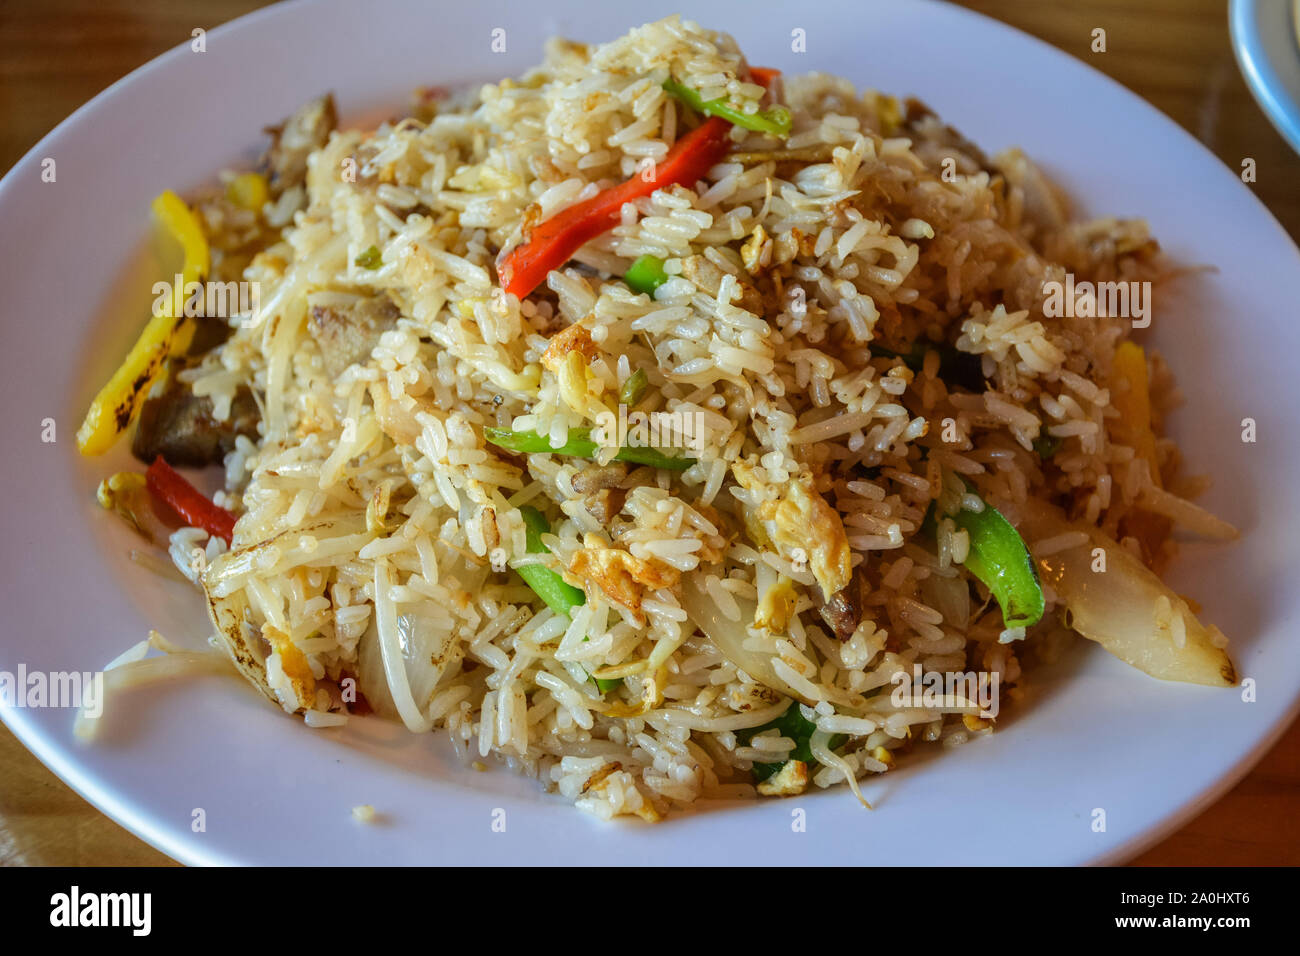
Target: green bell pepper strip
{"x":999,"y":558}
{"x":796,"y":727}
{"x":775,"y":121}
{"x":580,"y":445}
{"x":645,"y":275}
{"x":560,"y":596}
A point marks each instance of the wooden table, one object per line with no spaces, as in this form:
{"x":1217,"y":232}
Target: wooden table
{"x":56,"y":54}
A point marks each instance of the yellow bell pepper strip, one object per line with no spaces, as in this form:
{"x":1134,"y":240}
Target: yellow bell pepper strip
{"x":166,"y":335}
{"x":249,"y":191}
{"x":1130,"y":393}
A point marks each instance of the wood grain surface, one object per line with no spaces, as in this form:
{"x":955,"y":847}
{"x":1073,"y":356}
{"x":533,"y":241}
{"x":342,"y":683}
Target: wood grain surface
{"x":57,"y":54}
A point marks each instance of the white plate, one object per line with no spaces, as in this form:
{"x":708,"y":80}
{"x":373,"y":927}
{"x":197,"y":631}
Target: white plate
{"x":1096,"y":735}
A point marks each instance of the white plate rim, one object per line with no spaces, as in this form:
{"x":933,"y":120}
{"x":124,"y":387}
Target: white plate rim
{"x":164,"y":838}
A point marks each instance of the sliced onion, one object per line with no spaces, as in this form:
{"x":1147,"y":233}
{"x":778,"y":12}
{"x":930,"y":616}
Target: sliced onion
{"x":729,"y":636}
{"x":371,"y":681}
{"x":390,"y":647}
{"x":1188,"y":515}
{"x":820,"y":745}
{"x":421,"y":644}
{"x":950,"y":597}
{"x":247,"y":649}
{"x":134,"y":673}
{"x":1121,"y":608}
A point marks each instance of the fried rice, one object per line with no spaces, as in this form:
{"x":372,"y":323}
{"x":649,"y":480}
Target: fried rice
{"x":848,"y":350}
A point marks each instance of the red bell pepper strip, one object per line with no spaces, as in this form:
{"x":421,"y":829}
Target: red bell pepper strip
{"x":763,"y":75}
{"x":552,"y":243}
{"x":165,"y":484}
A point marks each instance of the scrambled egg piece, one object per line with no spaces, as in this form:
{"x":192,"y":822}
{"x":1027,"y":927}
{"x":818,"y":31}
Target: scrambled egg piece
{"x":575,"y":338}
{"x":623,"y":577}
{"x":294,"y":664}
{"x":790,"y":780}
{"x":777,"y":606}
{"x":712,"y":547}
{"x":751,"y":253}
{"x":802,"y":527}
{"x":651,"y":696}
{"x":804,"y":520}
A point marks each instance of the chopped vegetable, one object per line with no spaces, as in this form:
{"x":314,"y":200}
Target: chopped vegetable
{"x":124,"y":495}
{"x":230,"y":612}
{"x":249,"y":191}
{"x":197,"y":511}
{"x":729,"y":636}
{"x":181,"y":426}
{"x":370,"y":258}
{"x":788,"y":781}
{"x":800,"y":522}
{"x":580,"y":445}
{"x":1124,"y":606}
{"x":1130,"y":394}
{"x":999,"y":558}
{"x":775,"y":120}
{"x":634,"y":388}
{"x":1168,"y":508}
{"x":823,"y":153}
{"x":560,"y":596}
{"x":1045,"y":446}
{"x":645,"y":275}
{"x":955,"y":367}
{"x":795,"y":726}
{"x":167,"y":334}
{"x":552,"y":243}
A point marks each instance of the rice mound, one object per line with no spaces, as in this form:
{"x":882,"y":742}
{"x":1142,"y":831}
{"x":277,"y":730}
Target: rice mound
{"x":378,"y":525}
